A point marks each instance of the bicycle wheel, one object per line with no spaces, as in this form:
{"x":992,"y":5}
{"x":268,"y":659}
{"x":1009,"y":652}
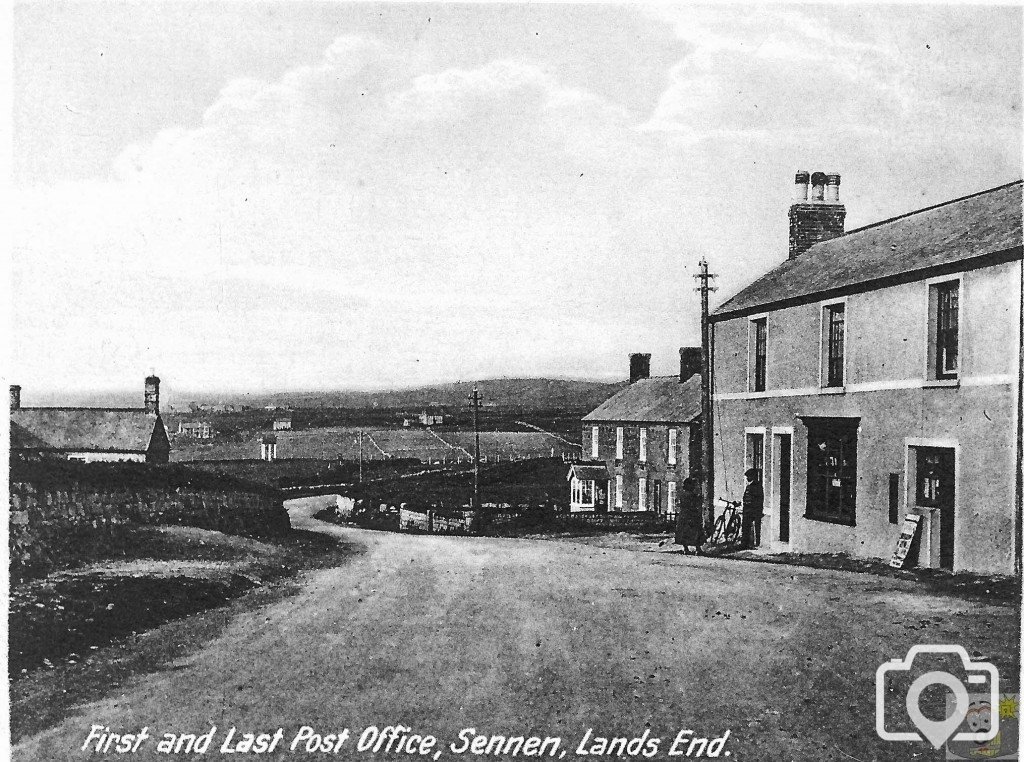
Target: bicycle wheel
{"x":718,"y":533}
{"x":734,"y":530}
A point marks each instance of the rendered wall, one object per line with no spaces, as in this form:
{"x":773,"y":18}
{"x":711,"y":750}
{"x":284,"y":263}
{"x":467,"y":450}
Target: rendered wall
{"x":888,"y":389}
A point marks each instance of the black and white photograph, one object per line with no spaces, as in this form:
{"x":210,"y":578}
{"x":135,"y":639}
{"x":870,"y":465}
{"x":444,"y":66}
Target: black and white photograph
{"x":509,"y":380}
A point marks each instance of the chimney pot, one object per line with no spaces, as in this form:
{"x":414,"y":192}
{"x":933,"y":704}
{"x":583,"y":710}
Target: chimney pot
{"x":639,"y":367}
{"x":689,"y":363}
{"x":15,"y":397}
{"x":152,"y":395}
{"x":832,"y":188}
{"x":803,"y":177}
{"x":818,"y":180}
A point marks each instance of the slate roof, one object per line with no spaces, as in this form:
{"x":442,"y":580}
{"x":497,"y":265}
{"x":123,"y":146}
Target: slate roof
{"x":661,"y":399}
{"x":588,"y":473}
{"x":82,"y":429}
{"x":908,"y":247}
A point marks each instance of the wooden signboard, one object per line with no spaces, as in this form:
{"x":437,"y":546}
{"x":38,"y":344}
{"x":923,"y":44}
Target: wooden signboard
{"x":910,"y":524}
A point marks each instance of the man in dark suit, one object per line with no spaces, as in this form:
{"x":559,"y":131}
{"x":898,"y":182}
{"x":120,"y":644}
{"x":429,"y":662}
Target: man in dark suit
{"x":753,"y":508}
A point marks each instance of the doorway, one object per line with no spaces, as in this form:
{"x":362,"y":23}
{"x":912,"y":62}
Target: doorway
{"x":936,"y":489}
{"x":781,"y":480}
{"x":785,"y":480}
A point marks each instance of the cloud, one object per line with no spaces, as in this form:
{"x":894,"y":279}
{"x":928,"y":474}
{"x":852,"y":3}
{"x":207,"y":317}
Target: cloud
{"x":441,"y":212}
{"x":373,"y":216}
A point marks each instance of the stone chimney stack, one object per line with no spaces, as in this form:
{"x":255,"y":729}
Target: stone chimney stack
{"x":818,"y":218}
{"x":639,"y":367}
{"x":15,"y":397}
{"x":152,"y":396}
{"x":689,"y":363}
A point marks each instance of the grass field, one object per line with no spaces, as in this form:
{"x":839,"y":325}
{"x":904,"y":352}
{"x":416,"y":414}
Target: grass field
{"x":342,"y":442}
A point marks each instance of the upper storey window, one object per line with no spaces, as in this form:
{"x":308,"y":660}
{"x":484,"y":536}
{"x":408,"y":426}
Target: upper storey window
{"x":758,"y":353}
{"x":945,"y":329}
{"x":834,"y":324}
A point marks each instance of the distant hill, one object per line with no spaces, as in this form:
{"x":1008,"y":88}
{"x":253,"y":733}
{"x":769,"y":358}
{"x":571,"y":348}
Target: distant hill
{"x":526,"y":394}
{"x":505,"y":393}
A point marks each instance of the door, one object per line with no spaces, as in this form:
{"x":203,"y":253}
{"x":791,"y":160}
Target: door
{"x":936,"y":488}
{"x":785,"y":480}
{"x":657,"y":497}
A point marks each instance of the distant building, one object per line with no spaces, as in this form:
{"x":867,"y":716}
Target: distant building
{"x":91,"y":434}
{"x":431,"y":419}
{"x":283,"y":422}
{"x":642,"y":442}
{"x":195,"y":429}
{"x":268,"y":448}
{"x":873,"y":374}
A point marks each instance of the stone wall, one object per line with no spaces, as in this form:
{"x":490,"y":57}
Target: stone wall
{"x":640,"y":521}
{"x":47,"y":520}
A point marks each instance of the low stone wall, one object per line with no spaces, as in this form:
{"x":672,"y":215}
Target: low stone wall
{"x":617,"y":520}
{"x":48,"y":520}
{"x":502,"y":522}
{"x":462,"y":522}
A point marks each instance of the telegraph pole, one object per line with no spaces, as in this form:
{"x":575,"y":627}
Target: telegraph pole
{"x":1018,"y":558}
{"x":360,"y":456}
{"x":475,"y":399}
{"x":706,"y":382}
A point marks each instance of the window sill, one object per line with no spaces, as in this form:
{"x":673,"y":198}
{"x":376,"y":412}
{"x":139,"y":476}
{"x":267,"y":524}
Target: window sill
{"x":830,"y":520}
{"x":833,"y":390}
{"x":933,"y":383}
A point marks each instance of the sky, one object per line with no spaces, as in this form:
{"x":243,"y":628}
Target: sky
{"x":292,"y":195}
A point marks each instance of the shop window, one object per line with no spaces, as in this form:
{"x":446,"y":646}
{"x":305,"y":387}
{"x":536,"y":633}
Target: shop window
{"x":832,"y":469}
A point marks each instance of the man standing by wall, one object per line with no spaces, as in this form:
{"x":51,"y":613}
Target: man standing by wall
{"x":753,"y":508}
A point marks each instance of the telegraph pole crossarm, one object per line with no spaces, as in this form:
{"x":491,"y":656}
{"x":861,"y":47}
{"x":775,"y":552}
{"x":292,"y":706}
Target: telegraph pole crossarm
{"x":706,"y":387}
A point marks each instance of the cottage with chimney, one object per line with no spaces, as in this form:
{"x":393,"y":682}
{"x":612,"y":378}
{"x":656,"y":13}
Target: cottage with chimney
{"x":642,"y":442}
{"x":876,"y":373}
{"x":91,"y":434}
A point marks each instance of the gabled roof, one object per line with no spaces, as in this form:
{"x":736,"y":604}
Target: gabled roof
{"x":661,"y":399}
{"x":83,"y":429}
{"x":588,"y":472}
{"x":959,"y":234}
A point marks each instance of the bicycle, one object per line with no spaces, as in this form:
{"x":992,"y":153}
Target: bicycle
{"x":728,"y":526}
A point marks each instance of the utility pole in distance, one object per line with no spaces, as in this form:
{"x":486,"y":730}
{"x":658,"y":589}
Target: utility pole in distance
{"x":475,"y":399}
{"x":706,"y":383}
{"x":360,"y":456}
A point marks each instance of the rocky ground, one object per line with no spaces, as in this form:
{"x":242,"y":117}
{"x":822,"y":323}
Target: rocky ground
{"x":75,"y":632}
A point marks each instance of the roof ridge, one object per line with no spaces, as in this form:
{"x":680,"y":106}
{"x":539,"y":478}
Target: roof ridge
{"x":930,"y":208}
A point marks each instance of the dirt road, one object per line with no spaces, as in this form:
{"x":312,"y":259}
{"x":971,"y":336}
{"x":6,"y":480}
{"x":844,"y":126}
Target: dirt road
{"x":518,"y":637}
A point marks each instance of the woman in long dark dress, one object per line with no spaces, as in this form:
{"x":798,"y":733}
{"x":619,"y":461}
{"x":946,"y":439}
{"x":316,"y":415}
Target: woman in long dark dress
{"x":689,"y":519}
